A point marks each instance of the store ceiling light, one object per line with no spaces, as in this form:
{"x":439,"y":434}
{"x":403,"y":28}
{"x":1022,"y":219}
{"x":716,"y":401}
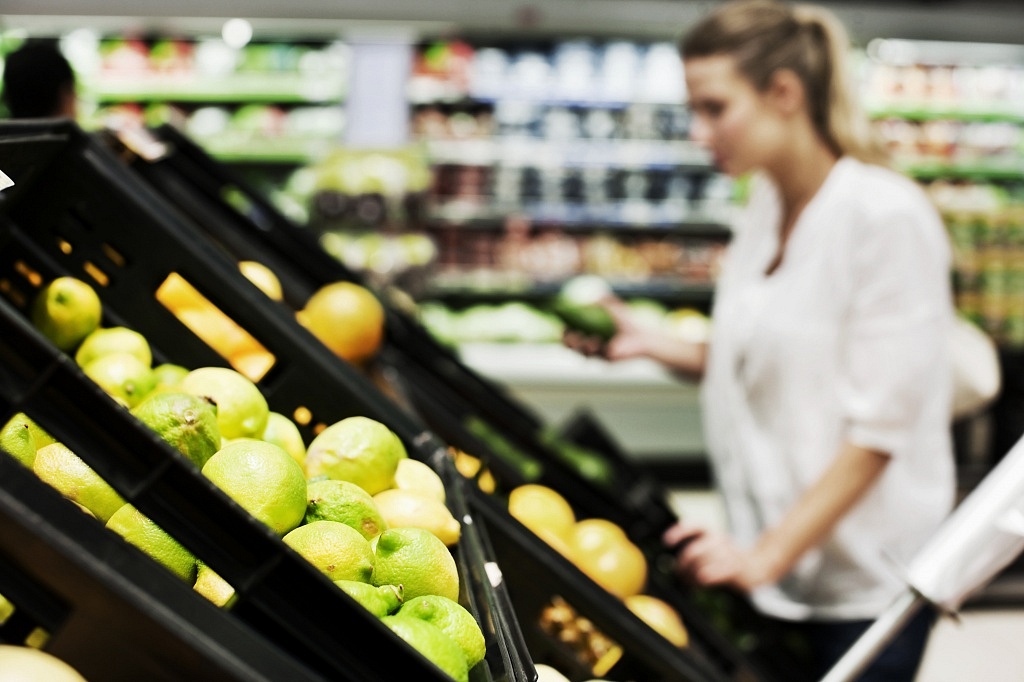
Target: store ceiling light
{"x":236,"y":33}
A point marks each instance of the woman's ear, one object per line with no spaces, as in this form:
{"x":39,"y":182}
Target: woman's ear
{"x":786,"y":91}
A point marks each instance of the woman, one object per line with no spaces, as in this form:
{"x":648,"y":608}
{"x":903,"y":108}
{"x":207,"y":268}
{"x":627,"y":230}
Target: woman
{"x":826,"y":388}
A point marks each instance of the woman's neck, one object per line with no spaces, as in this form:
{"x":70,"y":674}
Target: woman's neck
{"x":801,"y":172}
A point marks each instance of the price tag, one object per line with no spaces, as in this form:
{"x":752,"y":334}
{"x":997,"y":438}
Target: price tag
{"x":5,"y":181}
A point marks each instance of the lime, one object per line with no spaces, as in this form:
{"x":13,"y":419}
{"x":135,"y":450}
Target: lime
{"x":123,"y":376}
{"x":401,"y":508}
{"x":357,"y":449}
{"x":114,"y":340}
{"x":7,"y":608}
{"x":263,"y":479}
{"x":380,"y":600}
{"x":21,"y":663}
{"x":416,"y":476}
{"x":283,"y":432}
{"x":241,"y":409}
{"x":66,"y":311}
{"x":433,"y":643}
{"x":16,"y":439}
{"x":139,"y":530}
{"x":40,"y":436}
{"x":212,"y":586}
{"x":339,"y":551}
{"x":65,"y":471}
{"x":187,"y":422}
{"x":344,"y":502}
{"x":418,"y":561}
{"x":454,"y":619}
{"x":168,"y":375}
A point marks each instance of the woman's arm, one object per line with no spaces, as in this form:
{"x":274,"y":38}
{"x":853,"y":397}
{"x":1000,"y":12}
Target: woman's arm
{"x":631,"y":340}
{"x":713,"y":559}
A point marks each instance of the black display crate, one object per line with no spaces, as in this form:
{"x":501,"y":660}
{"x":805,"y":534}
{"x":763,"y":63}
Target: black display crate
{"x":76,"y":210}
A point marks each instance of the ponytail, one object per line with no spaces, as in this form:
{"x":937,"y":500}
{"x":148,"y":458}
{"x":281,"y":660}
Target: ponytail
{"x":765,"y":36}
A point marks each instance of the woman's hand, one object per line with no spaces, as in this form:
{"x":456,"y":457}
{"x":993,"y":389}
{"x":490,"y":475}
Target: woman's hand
{"x":710,"y":558}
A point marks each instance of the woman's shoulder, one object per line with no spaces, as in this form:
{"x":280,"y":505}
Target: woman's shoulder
{"x":878,"y":190}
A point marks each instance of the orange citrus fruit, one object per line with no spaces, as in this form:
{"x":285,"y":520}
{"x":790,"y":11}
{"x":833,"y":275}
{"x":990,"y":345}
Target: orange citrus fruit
{"x":347,"y":318}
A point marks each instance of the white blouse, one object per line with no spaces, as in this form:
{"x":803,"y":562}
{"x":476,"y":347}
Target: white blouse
{"x":846,"y":341}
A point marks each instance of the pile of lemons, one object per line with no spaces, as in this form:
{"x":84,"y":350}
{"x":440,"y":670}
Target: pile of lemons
{"x":601,"y":550}
{"x":352,"y":503}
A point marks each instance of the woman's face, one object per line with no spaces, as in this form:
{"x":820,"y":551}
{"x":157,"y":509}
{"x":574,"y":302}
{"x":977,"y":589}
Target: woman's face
{"x":732,"y":119}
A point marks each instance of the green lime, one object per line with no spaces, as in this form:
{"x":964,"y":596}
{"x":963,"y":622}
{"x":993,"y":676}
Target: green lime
{"x":345,"y":502}
{"x":187,"y":422}
{"x":16,"y":439}
{"x":114,"y":340}
{"x":357,"y":449}
{"x":380,"y":600}
{"x":139,"y":530}
{"x":66,"y":311}
{"x":433,"y":643}
{"x":242,"y":410}
{"x":65,"y":471}
{"x":417,"y":560}
{"x":123,"y":376}
{"x":454,"y":619}
{"x":339,"y":551}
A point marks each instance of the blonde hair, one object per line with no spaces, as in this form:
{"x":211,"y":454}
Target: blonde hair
{"x":765,"y":36}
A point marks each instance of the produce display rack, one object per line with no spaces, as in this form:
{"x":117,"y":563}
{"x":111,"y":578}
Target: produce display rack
{"x":247,"y":226}
{"x":76,"y":210}
{"x":429,"y":380}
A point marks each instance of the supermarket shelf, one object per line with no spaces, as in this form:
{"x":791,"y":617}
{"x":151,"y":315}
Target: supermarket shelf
{"x":277,"y":87}
{"x":691,"y":228}
{"x":471,"y":289}
{"x":254,"y":148}
{"x":547,"y":153}
{"x":1012,"y":169}
{"x":930,"y":112}
{"x":462,"y":99}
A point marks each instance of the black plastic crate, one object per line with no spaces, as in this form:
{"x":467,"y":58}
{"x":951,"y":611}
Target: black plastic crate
{"x":76,"y":210}
{"x":248,"y":227}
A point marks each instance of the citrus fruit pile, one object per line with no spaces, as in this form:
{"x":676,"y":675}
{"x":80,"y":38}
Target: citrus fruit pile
{"x":352,"y":503}
{"x":599,"y":548}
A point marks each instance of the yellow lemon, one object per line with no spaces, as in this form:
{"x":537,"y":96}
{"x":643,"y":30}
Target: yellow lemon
{"x":601,"y":549}
{"x":415,"y":476}
{"x":263,"y":277}
{"x":263,"y":479}
{"x":661,"y":616}
{"x":540,"y":507}
{"x":347,"y":318}
{"x":284,"y":433}
{"x":22,"y":663}
{"x":418,"y":561}
{"x":401,"y":508}
{"x":344,"y":502}
{"x":356,"y":449}
{"x":433,"y":643}
{"x":114,"y":340}
{"x":65,"y":471}
{"x":242,"y":411}
{"x":139,"y":530}
{"x":453,"y":619}
{"x":123,"y":376}
{"x":339,"y":551}
{"x":66,"y":311}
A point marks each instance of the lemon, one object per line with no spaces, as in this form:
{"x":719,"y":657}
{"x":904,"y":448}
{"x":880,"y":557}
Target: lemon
{"x":433,"y":643}
{"x":123,"y":376}
{"x":344,"y":502}
{"x":380,"y":600}
{"x":601,"y":549}
{"x":539,"y":507}
{"x":66,"y":311}
{"x":24,"y":664}
{"x":139,"y":530}
{"x":185,"y":421}
{"x":65,"y":471}
{"x":416,"y":476}
{"x":242,"y":410}
{"x":661,"y":616}
{"x":284,"y":433}
{"x":401,"y":508}
{"x":347,"y":318}
{"x":213,"y":587}
{"x":263,"y":277}
{"x":114,"y":340}
{"x":218,"y":330}
{"x":454,"y":619}
{"x":357,"y":449}
{"x":263,"y":479}
{"x":418,"y":561}
{"x":6,"y":609}
{"x":40,"y":436}
{"x":16,"y":439}
{"x":168,"y":375}
{"x":339,"y":551}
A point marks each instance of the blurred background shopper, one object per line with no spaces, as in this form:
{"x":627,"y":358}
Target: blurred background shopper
{"x":826,"y":389}
{"x":39,"y":82}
